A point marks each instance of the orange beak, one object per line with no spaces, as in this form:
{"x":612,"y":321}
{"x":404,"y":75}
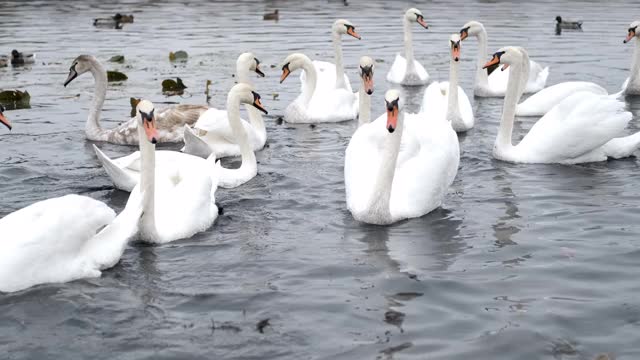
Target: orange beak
{"x":258,"y":104}
{"x":463,"y":34}
{"x":494,"y":60}
{"x":351,"y":31}
{"x":285,"y":73}
{"x":630,"y":36}
{"x":368,"y":84}
{"x":5,"y":121}
{"x":421,"y":21}
{"x":392,"y":117}
{"x":150,"y":129}
{"x":455,"y":52}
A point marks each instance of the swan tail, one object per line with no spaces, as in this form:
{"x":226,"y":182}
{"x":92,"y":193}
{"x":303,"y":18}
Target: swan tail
{"x":194,"y":145}
{"x":119,"y":177}
{"x":622,"y":147}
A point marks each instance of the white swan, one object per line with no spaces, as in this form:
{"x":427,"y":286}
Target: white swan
{"x":380,"y":187}
{"x":495,"y":85}
{"x":171,"y":120}
{"x":448,"y":100}
{"x":331,"y":75}
{"x":3,"y":119}
{"x":406,"y":70}
{"x":582,"y":128}
{"x":541,"y":102}
{"x":176,"y":206}
{"x":125,"y":172}
{"x":62,"y":239}
{"x":631,"y":86}
{"x":213,"y":132}
{"x":315,"y":105}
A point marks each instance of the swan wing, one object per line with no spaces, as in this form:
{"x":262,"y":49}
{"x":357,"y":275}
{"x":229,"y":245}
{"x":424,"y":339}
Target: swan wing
{"x":326,"y":76}
{"x":124,"y":172}
{"x":541,"y":102}
{"x":331,"y":106}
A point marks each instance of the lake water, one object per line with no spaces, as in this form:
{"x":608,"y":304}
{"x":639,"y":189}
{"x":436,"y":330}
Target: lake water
{"x":521,"y":262}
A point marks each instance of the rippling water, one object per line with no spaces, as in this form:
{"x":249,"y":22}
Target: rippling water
{"x":522,"y":261}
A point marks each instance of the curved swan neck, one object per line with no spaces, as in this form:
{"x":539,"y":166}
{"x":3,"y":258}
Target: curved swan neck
{"x":92,"y":127}
{"x":518,"y":74}
{"x":238,"y":130}
{"x":380,"y":201}
{"x":452,"y":102}
{"x":408,"y":43}
{"x":482,"y":75}
{"x":309,"y":86}
{"x":147,"y":185}
{"x":242,"y":72}
{"x":364,"y":116}
{"x":337,"y":47}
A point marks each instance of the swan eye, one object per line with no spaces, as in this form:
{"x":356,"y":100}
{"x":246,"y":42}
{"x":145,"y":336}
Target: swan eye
{"x":366,"y":70}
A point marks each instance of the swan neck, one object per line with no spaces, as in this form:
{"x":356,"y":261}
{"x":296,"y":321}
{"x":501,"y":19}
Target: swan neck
{"x":452,"y":101}
{"x":337,"y":47}
{"x":408,"y":43}
{"x":311,"y":79}
{"x":255,"y":118}
{"x":381,"y":199}
{"x":92,"y":127}
{"x":515,"y":88}
{"x":634,"y":77}
{"x":238,"y":130}
{"x":147,"y":184}
{"x":242,"y":72}
{"x":364,"y":106}
{"x":482,"y":76}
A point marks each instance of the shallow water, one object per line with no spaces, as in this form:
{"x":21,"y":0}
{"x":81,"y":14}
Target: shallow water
{"x":522,"y":261}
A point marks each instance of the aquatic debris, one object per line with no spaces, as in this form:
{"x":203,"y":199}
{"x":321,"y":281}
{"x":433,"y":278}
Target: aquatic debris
{"x":275,"y":96}
{"x":15,"y":99}
{"x":113,"y":75}
{"x":173,"y":87}
{"x":179,"y":55}
{"x":272,"y":16}
{"x":379,"y":60}
{"x":224,"y":326}
{"x":206,"y":90}
{"x":262,"y":324}
{"x":117,"y":59}
{"x":134,"y":103}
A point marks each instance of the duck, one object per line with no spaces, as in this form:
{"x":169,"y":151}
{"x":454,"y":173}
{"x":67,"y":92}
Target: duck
{"x":176,"y":201}
{"x":271,"y":16}
{"x":123,"y":18}
{"x":213,"y":130}
{"x":405,"y":69}
{"x":495,"y":84}
{"x":316,"y":105}
{"x":447,"y":99}
{"x":3,"y":120}
{"x":21,"y":58}
{"x":384,"y":185}
{"x":631,"y":86}
{"x":584,"y":127}
{"x":331,"y":76}
{"x":126,"y":172}
{"x":568,"y":24}
{"x":169,"y":121}
{"x":63,"y":239}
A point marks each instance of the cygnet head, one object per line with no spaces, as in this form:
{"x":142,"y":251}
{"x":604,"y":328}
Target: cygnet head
{"x":249,"y":61}
{"x":366,"y":73}
{"x":147,"y":119}
{"x":292,"y":63}
{"x":506,"y":56}
{"x":633,"y":31}
{"x":392,"y":103}
{"x":454,"y":42}
{"x":80,"y":65}
{"x":342,"y":27}
{"x":245,"y":94}
{"x":415,"y":15}
{"x":471,"y":28}
{"x":3,"y":119}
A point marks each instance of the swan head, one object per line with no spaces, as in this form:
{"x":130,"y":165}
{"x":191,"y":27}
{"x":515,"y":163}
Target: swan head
{"x":454,"y":41}
{"x":342,"y":27}
{"x":249,"y":61}
{"x":415,"y":15}
{"x":506,"y":56}
{"x":366,"y":73}
{"x":392,"y":103}
{"x":3,"y":119}
{"x":245,"y":94}
{"x":633,"y":31}
{"x":292,"y":63}
{"x":147,"y":119}
{"x":80,"y":65}
{"x":471,"y":28}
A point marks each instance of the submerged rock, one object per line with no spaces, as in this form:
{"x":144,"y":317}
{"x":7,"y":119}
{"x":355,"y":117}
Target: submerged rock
{"x":113,"y":75}
{"x":15,"y":99}
{"x":117,"y":59}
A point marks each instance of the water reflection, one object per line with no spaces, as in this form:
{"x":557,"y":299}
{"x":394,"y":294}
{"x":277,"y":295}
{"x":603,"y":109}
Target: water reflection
{"x":505,"y":226}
